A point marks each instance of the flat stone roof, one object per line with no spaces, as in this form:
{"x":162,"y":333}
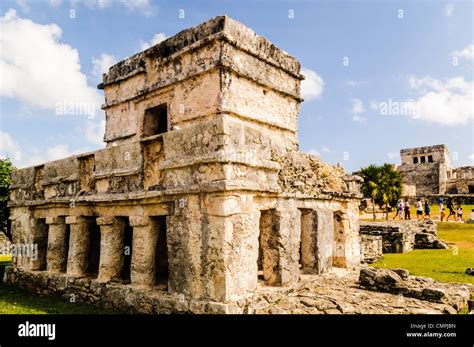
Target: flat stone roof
{"x":220,"y":27}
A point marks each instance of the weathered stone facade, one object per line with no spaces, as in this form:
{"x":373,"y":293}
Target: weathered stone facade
{"x":200,"y":190}
{"x":427,"y":171}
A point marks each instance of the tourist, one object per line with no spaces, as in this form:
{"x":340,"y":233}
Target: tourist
{"x":440,"y":203}
{"x":407,"y":210}
{"x":460,"y":213}
{"x":427,"y":210}
{"x":400,"y":209}
{"x":442,"y":213}
{"x":451,"y":210}
{"x":419,"y":210}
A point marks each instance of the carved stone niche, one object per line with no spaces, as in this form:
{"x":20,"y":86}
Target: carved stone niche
{"x":153,"y":154}
{"x":86,"y":171}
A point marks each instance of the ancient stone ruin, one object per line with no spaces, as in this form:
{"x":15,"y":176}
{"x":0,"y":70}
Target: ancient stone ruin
{"x":428,"y":171}
{"x":397,"y":237}
{"x":200,"y":196}
{"x":399,"y":281}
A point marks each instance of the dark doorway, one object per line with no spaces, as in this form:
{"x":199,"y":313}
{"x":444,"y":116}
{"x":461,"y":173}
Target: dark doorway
{"x":66,"y":247}
{"x":127,"y":251}
{"x":41,"y":239}
{"x":161,"y":254}
{"x":94,"y":248}
{"x":155,"y":121}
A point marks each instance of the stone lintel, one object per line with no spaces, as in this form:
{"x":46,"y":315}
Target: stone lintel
{"x":139,"y":221}
{"x":105,"y":220}
{"x":54,"y":220}
{"x":72,"y":220}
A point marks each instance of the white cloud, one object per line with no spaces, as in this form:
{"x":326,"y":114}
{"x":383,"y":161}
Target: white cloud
{"x":142,"y":6}
{"x":95,"y":132}
{"x":37,"y":68}
{"x":357,"y":110}
{"x":8,"y":147}
{"x":446,"y":103}
{"x":471,"y":157}
{"x":35,"y":157}
{"x":312,"y":86}
{"x":59,"y":151}
{"x":325,"y":149}
{"x":393,"y":155}
{"x":101,"y":65}
{"x":155,"y":40}
{"x":55,"y":3}
{"x":354,"y":83}
{"x":448,"y":10}
{"x":23,"y":5}
{"x":314,"y":152}
{"x":466,"y":53}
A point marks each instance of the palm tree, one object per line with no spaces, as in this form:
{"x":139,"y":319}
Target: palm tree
{"x":371,"y":185}
{"x":382,"y":184}
{"x":391,"y":185}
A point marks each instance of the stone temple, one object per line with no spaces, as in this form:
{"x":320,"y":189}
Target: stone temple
{"x":200,"y":196}
{"x":428,"y":171}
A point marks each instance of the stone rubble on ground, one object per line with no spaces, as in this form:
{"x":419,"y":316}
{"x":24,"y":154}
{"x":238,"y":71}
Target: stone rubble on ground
{"x":333,"y":293}
{"x":399,"y":281}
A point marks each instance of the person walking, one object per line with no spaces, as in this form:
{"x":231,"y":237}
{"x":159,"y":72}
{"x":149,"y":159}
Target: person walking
{"x":427,"y":210}
{"x":407,"y":210}
{"x":459,"y":213}
{"x":442,"y":214}
{"x":400,"y":208}
{"x":419,"y":210}
{"x":450,"y":206}
{"x":440,"y":203}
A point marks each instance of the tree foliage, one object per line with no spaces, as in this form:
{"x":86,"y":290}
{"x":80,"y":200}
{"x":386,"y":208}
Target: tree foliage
{"x":6,"y":168}
{"x":382,"y":184}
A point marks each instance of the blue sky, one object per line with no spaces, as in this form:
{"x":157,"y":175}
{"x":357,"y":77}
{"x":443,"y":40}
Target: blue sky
{"x":363,"y":59}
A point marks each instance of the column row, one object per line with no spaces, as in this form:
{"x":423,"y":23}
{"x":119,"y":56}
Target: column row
{"x":129,"y":249}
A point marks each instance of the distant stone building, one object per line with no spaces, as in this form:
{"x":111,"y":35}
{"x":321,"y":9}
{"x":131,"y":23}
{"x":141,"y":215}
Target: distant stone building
{"x":428,"y":171}
{"x":200,"y":192}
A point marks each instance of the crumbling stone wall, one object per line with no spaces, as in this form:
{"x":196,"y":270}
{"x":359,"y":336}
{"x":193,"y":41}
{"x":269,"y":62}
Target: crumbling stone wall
{"x":403,"y":236}
{"x":371,"y":248}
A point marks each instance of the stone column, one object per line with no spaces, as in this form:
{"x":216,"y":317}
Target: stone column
{"x":111,"y":248}
{"x":145,"y":236}
{"x":346,"y":237}
{"x":325,"y":240}
{"x":309,"y":238}
{"x":56,"y":257}
{"x":289,"y":232}
{"x":78,"y":246}
{"x":37,"y":237}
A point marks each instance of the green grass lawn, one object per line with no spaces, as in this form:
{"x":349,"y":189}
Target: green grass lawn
{"x":444,"y":265}
{"x":18,"y":301}
{"x":14,"y":300}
